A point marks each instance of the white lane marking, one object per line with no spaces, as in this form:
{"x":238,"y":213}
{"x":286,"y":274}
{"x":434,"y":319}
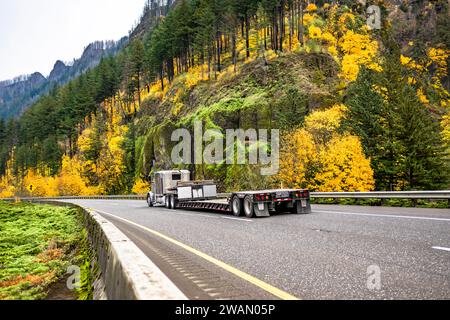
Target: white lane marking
{"x":207,"y":216}
{"x":238,"y":219}
{"x":442,"y":248}
{"x":192,"y":214}
{"x":384,"y":215}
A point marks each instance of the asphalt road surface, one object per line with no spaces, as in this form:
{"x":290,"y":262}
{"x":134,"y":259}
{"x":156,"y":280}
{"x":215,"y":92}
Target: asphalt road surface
{"x":337,"y":252}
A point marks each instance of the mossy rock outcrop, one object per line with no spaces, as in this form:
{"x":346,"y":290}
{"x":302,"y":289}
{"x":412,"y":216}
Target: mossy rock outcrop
{"x":277,"y":96}
{"x":158,"y":148}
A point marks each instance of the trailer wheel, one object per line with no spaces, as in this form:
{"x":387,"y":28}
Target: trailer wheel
{"x":236,"y":206}
{"x":173,"y":202}
{"x":249,"y":208}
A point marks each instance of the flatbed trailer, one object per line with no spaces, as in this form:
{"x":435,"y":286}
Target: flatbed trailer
{"x":259,"y":203}
{"x":177,"y":191}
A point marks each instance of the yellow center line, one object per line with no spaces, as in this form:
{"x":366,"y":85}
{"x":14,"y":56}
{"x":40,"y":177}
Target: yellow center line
{"x":245,"y":276}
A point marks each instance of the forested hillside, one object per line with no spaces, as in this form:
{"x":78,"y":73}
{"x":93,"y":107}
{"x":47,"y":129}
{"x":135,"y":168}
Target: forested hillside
{"x":18,"y":94}
{"x":359,"y":108}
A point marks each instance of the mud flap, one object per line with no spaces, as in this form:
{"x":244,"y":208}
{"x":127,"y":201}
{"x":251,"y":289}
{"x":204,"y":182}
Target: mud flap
{"x":302,"y":207}
{"x":261,"y":209}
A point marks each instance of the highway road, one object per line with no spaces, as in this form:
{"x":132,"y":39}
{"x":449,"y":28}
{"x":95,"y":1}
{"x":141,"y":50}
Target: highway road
{"x":338,"y":252}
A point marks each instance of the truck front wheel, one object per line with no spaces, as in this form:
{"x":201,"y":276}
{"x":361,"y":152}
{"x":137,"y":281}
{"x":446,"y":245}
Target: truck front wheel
{"x":168,"y":202}
{"x":149,"y":201}
{"x":173,"y":202}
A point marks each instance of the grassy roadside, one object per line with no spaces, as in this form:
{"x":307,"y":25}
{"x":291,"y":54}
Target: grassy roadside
{"x":37,"y":244}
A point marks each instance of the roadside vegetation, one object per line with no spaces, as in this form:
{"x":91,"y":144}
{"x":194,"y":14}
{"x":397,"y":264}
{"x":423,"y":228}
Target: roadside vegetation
{"x":37,"y":244}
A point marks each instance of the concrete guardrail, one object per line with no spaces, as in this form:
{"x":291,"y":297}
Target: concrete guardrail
{"x":126,"y":273}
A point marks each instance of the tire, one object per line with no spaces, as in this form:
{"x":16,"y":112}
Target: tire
{"x":173,"y":202}
{"x":149,"y":201}
{"x":249,"y":207}
{"x":167,"y":202}
{"x":236,"y":206}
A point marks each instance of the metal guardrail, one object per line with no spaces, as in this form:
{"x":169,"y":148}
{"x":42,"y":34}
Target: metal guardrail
{"x":123,"y":197}
{"x":425,"y":195}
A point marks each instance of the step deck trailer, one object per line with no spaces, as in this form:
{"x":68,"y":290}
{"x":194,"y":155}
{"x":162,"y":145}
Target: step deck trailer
{"x":174,"y":190}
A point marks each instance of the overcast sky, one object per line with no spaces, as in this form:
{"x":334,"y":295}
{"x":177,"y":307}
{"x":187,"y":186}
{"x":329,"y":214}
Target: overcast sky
{"x":36,"y":33}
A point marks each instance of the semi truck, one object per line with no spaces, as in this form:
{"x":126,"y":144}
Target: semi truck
{"x":174,"y":189}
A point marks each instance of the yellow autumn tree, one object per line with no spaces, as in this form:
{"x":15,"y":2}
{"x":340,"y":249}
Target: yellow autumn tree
{"x":315,"y":32}
{"x":40,"y":186}
{"x":298,"y":157}
{"x":358,"y":49}
{"x":446,"y":129}
{"x":311,"y":8}
{"x":319,"y":158}
{"x":111,"y":162}
{"x":350,"y":43}
{"x":322,"y":124}
{"x":70,"y":181}
{"x":7,"y":188}
{"x":439,"y":57}
{"x":437,"y":60}
{"x":101,"y":156}
{"x":343,"y":166}
{"x":140,"y":187}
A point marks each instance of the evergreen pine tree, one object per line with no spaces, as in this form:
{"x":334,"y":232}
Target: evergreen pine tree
{"x":422,"y":163}
{"x":368,"y":117}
